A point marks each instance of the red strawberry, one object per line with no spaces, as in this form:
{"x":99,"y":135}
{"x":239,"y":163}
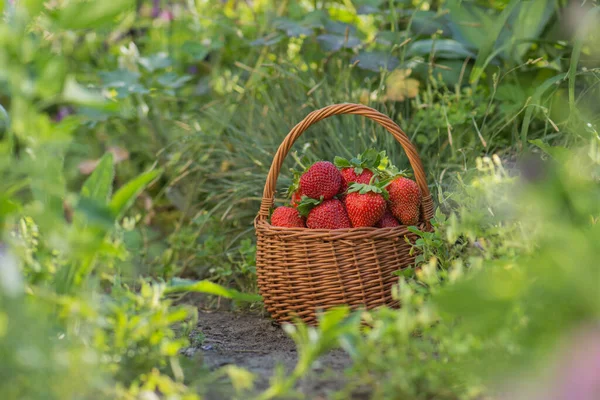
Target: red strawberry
{"x":321,"y":179}
{"x":365,"y":209}
{"x":330,"y":214}
{"x":349,"y":176}
{"x":408,"y":214}
{"x":287,"y":217}
{"x":387,"y":221}
{"x":404,"y":200}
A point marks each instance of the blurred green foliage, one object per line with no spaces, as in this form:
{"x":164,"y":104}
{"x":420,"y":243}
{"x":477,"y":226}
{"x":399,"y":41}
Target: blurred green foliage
{"x":135,"y":137}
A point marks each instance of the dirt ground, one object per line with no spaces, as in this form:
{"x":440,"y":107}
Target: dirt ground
{"x":255,"y":343}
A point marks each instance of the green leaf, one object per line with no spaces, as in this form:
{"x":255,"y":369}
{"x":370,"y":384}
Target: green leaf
{"x":95,"y":212}
{"x":125,"y":196}
{"x":391,"y":38}
{"x":367,"y":10}
{"x":384,"y":162}
{"x":98,"y":186}
{"x":173,"y":80}
{"x":559,"y":153}
{"x":427,"y":23}
{"x":406,"y":272}
{"x":340,"y":28}
{"x":196,"y":50}
{"x":469,"y":23}
{"x":156,"y":62}
{"x":92,"y":14}
{"x":331,"y":42}
{"x":292,"y":28}
{"x":119,"y":78}
{"x":364,"y":188}
{"x":307,"y":204}
{"x":487,"y":47}
{"x":341,"y":162}
{"x":446,"y":48}
{"x":526,"y":23}
{"x":535,"y":100}
{"x":588,"y":20}
{"x":184,"y":285}
{"x":75,"y":93}
{"x":450,"y":71}
{"x":332,"y":319}
{"x":268,"y":40}
{"x":416,"y":230}
{"x":371,"y":158}
{"x":124,"y":82}
{"x":375,"y":61}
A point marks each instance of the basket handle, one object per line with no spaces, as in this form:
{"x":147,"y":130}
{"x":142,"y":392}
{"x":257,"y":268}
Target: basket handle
{"x":337,"y":109}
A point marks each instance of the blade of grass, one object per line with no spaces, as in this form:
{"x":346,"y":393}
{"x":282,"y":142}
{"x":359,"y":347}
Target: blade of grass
{"x":535,"y":100}
{"x":579,"y":41}
{"x":488,"y":46}
{"x":179,"y":286}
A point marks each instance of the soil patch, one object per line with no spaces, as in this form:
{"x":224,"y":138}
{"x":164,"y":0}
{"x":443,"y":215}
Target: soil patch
{"x":257,"y":344}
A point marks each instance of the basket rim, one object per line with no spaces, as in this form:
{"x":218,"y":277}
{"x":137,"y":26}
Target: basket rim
{"x":263,"y":228}
{"x":267,"y":225}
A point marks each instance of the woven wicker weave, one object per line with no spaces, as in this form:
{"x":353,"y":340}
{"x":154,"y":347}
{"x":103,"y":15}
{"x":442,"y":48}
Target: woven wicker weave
{"x":303,"y":271}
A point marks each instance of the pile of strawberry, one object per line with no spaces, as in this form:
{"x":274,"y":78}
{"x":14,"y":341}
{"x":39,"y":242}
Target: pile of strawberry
{"x":363,"y":192}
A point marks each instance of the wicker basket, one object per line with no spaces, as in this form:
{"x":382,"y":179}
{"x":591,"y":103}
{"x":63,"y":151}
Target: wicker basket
{"x":303,"y":271}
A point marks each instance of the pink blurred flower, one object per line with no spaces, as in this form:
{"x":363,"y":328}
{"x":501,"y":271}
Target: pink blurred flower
{"x":166,"y":15}
{"x":574,"y":374}
{"x":578,"y":372}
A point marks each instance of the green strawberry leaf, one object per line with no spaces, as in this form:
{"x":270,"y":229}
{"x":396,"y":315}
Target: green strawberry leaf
{"x":392,"y":172}
{"x":384,"y":161}
{"x":371,"y":158}
{"x":377,"y":187}
{"x":341,"y":162}
{"x":307,"y":204}
{"x":369,"y":154}
{"x":363,"y":188}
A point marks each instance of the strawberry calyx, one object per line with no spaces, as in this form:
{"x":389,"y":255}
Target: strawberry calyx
{"x":375,"y":187}
{"x":306,"y":204}
{"x":392,"y":172}
{"x":377,"y":162}
{"x":354,"y":163}
{"x":370,"y":159}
